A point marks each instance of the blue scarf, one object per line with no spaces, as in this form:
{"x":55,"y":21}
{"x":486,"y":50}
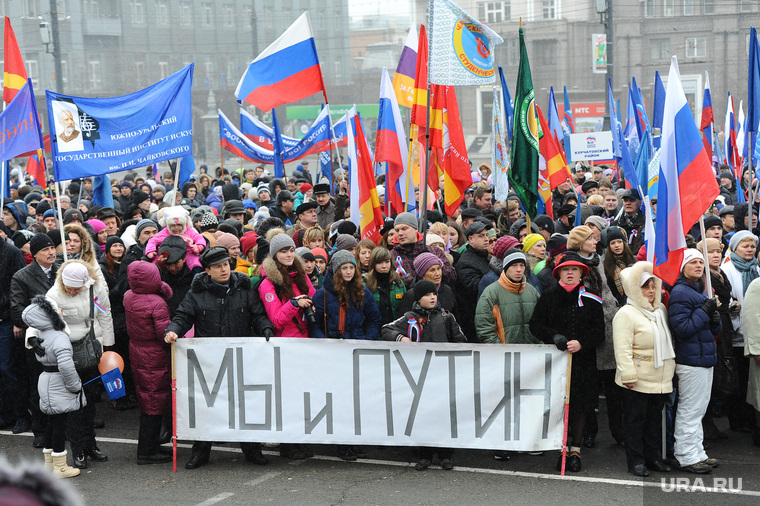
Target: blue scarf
{"x":747,"y":268}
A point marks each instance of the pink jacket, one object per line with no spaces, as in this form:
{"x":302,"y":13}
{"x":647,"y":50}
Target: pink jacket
{"x":280,"y":311}
{"x":195,"y":239}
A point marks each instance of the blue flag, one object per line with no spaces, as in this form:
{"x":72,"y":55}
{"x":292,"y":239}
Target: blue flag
{"x":658,"y":108}
{"x":615,"y":126}
{"x":19,"y":125}
{"x":753,"y":82}
{"x":114,"y":383}
{"x":186,"y":169}
{"x":278,"y":148}
{"x":93,"y":136}
{"x":509,"y":108}
{"x":101,"y":191}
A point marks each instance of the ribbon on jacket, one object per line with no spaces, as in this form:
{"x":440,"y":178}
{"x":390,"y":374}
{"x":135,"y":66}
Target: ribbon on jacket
{"x":99,"y":305}
{"x":583,"y":293}
{"x":634,"y":233}
{"x":400,"y":266}
{"x":414,"y":328}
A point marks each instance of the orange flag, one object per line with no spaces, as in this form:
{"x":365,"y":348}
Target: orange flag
{"x":14,"y":75}
{"x":370,"y":211}
{"x":456,"y":166}
{"x":420,"y":96}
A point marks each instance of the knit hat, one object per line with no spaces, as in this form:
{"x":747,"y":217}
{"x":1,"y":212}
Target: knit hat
{"x":543,"y":222}
{"x":39,"y":242}
{"x":75,"y":275}
{"x":214,"y":255}
{"x":139,"y":196}
{"x":513,"y":256}
{"x":615,"y":233}
{"x":247,"y":242}
{"x":431,"y":239}
{"x":577,"y":237}
{"x":159,"y":187}
{"x":424,"y":287}
{"x":50,"y":213}
{"x":262,"y":187}
{"x":208,"y":221}
{"x":280,"y":242}
{"x":339,"y":258}
{"x":346,"y":227}
{"x":55,"y":236}
{"x":21,"y":237}
{"x":250,"y":204}
{"x":227,"y":240}
{"x":689,"y":255}
{"x":96,"y":225}
{"x":320,"y":252}
{"x":597,"y":221}
{"x":114,"y":239}
{"x":305,"y":187}
{"x":531,"y":240}
{"x":424,"y":262}
{"x":713,"y":221}
{"x":502,"y":244}
{"x":142,"y":225}
{"x":345,"y":242}
{"x":739,"y":237}
{"x":405,"y":219}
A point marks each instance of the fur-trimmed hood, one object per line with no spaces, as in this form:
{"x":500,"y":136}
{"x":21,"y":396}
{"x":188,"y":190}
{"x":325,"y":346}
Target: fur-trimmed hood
{"x":91,"y":271}
{"x":272,"y":273}
{"x":631,"y":278}
{"x":42,"y":314}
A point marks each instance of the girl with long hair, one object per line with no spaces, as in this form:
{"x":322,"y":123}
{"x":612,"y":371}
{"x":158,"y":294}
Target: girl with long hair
{"x":617,"y":257}
{"x":386,"y":285}
{"x":363,"y":252}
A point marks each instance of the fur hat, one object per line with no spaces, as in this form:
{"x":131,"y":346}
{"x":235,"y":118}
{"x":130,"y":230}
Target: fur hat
{"x":175,"y":215}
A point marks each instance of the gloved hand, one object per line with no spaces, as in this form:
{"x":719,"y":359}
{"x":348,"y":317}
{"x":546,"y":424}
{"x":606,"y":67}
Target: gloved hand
{"x":268,"y":332}
{"x":560,"y":342}
{"x":710,"y":306}
{"x":735,"y":309}
{"x":715,"y":319}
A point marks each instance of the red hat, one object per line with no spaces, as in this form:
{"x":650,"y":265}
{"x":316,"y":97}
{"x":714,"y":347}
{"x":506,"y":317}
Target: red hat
{"x":568,"y":259}
{"x":247,"y":242}
{"x":320,"y":252}
{"x":305,"y":187}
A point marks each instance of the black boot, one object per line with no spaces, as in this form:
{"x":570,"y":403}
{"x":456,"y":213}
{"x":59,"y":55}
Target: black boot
{"x":147,"y":441}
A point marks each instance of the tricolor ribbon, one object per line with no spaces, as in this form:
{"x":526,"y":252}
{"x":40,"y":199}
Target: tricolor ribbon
{"x":400,"y":266}
{"x":99,"y":306}
{"x":634,"y":233}
{"x":413,"y":327}
{"x":583,"y":293}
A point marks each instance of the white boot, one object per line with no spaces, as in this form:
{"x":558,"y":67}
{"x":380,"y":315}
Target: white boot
{"x":60,"y":468}
{"x":48,"y":453}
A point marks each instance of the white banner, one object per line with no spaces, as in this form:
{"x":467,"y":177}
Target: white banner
{"x":591,"y":146}
{"x":292,"y":390}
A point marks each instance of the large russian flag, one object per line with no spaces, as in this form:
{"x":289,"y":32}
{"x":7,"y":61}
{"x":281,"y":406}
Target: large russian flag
{"x":731,"y":150}
{"x":287,"y":71}
{"x":687,"y":186}
{"x":706,"y":124}
{"x":259,"y":133}
{"x":391,"y":147}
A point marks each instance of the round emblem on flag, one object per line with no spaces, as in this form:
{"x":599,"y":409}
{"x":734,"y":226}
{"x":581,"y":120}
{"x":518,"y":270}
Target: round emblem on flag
{"x":528,"y":121}
{"x":269,"y":297}
{"x":472,"y":49}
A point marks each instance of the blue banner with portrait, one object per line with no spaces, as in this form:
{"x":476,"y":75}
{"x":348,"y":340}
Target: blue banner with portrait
{"x":95,"y":136}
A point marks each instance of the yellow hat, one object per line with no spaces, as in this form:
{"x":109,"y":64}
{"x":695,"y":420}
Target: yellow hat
{"x":530,"y":241}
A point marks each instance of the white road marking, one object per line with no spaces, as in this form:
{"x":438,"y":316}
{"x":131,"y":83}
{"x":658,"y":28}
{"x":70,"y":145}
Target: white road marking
{"x":502,"y":472}
{"x":217,"y":498}
{"x":262,"y":479}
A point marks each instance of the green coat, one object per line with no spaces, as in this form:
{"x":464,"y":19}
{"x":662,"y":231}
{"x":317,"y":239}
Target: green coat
{"x":397,"y":292}
{"x":516,"y":311}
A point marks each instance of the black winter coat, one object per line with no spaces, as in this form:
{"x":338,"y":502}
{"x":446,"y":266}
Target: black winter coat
{"x":437,"y":324}
{"x":25,"y":284}
{"x":446,"y":299}
{"x":557,"y":312}
{"x":11,"y":261}
{"x":471,"y":267}
{"x":217,"y":312}
{"x":180,"y":285}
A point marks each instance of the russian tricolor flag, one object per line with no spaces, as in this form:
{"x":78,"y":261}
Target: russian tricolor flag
{"x":706,"y":125}
{"x":287,"y":71}
{"x":391,"y":147}
{"x":731,"y":150}
{"x":687,"y":185}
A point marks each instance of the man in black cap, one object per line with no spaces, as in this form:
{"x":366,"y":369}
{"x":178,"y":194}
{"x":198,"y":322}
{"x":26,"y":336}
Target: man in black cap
{"x":590,"y":188}
{"x":284,"y":208}
{"x":213,"y":295}
{"x":471,"y":267}
{"x":111,"y":220}
{"x":234,"y":209}
{"x":174,"y":270}
{"x":469,"y":215}
{"x":562,"y":224}
{"x":632,"y":220}
{"x":326,"y":209}
{"x":545,"y":225}
{"x":727,"y":218}
{"x":307,"y":215}
{"x":13,"y":384}
{"x":34,"y":279}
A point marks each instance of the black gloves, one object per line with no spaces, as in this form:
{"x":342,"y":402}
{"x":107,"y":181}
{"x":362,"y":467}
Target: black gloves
{"x":710,"y":306}
{"x":715,"y":318}
{"x":560,"y":342}
{"x":35,"y":343}
{"x":268,"y":332}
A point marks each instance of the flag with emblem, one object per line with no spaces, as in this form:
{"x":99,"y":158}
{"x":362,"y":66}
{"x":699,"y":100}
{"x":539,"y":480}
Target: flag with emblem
{"x":14,"y":72}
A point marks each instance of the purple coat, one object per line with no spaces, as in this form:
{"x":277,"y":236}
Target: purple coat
{"x":147,"y":319}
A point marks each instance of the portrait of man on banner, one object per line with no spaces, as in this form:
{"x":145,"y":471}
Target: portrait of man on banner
{"x":68,"y":132}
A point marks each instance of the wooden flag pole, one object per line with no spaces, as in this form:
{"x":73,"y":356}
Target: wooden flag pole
{"x":708,"y":281}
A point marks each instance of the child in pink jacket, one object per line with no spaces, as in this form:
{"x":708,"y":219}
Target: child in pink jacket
{"x":176,"y":221}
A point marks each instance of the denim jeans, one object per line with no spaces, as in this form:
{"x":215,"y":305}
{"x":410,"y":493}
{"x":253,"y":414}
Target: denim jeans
{"x":15,"y":390}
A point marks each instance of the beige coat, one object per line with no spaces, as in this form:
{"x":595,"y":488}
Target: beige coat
{"x":751,"y":324}
{"x":634,"y":339}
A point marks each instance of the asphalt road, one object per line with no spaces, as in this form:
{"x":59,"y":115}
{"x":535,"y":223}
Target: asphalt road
{"x":388,"y":476}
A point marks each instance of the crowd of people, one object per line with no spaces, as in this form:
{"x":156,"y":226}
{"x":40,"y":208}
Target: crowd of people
{"x":246,"y":254}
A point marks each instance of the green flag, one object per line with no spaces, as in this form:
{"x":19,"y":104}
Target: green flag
{"x":523,"y":172}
